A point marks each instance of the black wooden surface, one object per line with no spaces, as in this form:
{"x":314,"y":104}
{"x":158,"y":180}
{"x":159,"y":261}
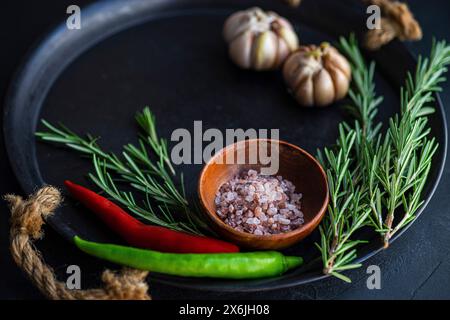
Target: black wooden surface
{"x":416,"y":266}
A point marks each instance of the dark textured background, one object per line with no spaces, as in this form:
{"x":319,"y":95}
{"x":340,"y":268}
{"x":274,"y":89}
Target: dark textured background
{"x":415,"y":267}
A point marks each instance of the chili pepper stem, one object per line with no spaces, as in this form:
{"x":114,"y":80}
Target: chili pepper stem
{"x":292,"y":262}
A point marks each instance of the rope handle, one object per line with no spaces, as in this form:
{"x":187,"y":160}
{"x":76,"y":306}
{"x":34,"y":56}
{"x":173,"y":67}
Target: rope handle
{"x":27,"y":218}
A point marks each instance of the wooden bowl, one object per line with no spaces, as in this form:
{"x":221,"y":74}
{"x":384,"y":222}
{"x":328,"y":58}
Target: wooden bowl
{"x":295,"y":164}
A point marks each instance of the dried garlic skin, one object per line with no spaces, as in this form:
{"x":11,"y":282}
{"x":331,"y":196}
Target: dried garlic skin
{"x":259,"y":40}
{"x":317,"y":76}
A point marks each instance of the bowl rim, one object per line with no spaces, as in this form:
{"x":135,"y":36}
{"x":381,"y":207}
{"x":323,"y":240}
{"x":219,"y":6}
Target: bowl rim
{"x":313,"y":223}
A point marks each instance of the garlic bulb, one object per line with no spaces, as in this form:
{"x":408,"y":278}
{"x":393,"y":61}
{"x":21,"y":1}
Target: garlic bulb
{"x":317,"y":76}
{"x":259,"y":40}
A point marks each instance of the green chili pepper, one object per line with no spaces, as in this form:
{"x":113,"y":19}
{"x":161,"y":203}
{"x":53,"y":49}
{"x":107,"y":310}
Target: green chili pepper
{"x":215,"y":265}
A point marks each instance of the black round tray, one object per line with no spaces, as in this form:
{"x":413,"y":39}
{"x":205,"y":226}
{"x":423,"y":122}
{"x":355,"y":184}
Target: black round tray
{"x":170,"y":55}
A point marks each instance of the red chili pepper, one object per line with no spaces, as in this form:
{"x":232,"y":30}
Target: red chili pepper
{"x":141,"y":235}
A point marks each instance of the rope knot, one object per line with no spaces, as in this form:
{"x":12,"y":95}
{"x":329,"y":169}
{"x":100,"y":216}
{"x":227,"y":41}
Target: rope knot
{"x":28,"y":215}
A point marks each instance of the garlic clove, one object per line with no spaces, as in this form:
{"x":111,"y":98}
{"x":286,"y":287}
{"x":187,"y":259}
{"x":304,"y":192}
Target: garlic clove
{"x":290,"y":69}
{"x":340,"y":81}
{"x":304,"y":93}
{"x":305,"y":72}
{"x":264,"y":51}
{"x":284,"y":23}
{"x":283,"y":51}
{"x":290,"y":37}
{"x":323,"y":88}
{"x":285,"y":30}
{"x":236,"y":24}
{"x":336,"y":59}
{"x":240,"y":50}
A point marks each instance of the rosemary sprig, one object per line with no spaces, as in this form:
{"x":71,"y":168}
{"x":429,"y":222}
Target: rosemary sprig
{"x":408,"y":147}
{"x":348,"y":210}
{"x":147,"y":122}
{"x":346,"y":213}
{"x":127,"y":169}
{"x":372,"y":176}
{"x":135,"y":168}
{"x":362,"y":94}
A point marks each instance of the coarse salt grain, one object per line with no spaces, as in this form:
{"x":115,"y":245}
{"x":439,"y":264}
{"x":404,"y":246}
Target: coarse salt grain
{"x":259,"y":204}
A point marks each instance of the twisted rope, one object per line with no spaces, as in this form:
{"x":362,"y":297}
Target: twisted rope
{"x":27,"y":218}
